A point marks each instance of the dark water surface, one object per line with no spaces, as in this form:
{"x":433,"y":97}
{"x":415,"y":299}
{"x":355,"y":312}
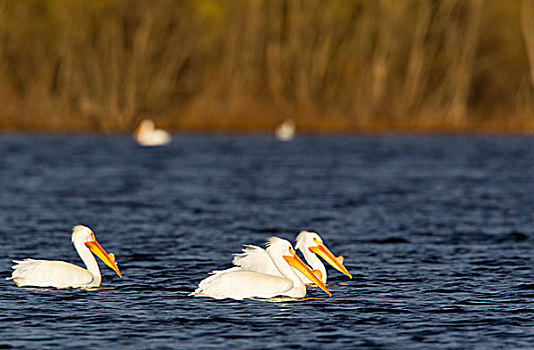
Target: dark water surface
{"x":438,"y":233}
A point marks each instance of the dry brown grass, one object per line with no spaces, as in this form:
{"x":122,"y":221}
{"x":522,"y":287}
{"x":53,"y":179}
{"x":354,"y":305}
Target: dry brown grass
{"x":216,"y":65}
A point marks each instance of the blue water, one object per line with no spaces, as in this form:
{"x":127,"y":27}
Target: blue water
{"x":438,"y":233}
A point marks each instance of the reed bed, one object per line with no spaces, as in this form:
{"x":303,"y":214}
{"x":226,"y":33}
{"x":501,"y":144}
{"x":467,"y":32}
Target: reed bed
{"x":236,"y":65}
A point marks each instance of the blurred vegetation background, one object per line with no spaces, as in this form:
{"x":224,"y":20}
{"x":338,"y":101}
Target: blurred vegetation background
{"x":246,"y":65}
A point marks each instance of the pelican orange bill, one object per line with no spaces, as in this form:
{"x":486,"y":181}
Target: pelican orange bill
{"x":108,"y":259}
{"x":327,"y":255}
{"x":294,"y":260}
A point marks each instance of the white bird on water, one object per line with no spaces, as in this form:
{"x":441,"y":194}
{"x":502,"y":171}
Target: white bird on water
{"x":286,"y":130}
{"x":239,"y":284}
{"x":146,"y":134}
{"x":60,"y":274}
{"x":255,"y":258}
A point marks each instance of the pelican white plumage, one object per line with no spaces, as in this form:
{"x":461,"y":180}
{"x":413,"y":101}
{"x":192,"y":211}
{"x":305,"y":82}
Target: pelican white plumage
{"x":60,"y":274}
{"x":255,"y":258}
{"x":286,"y":130}
{"x":239,"y":284}
{"x":146,"y":134}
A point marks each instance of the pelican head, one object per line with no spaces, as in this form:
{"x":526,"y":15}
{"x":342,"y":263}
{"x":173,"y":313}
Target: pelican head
{"x":313,"y":242}
{"x":277,"y":247}
{"x":83,"y":236}
{"x":146,"y":125}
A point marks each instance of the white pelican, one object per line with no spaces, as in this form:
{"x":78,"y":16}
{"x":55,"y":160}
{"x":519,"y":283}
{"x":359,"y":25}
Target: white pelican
{"x":146,"y":134}
{"x":238,"y":284}
{"x":60,"y":274}
{"x":286,"y":130}
{"x":255,"y":258}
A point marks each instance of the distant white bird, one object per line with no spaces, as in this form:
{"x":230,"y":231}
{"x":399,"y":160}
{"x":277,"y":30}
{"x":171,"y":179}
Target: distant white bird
{"x":60,"y":274}
{"x":286,"y":130}
{"x":256,"y":259}
{"x":146,"y":134}
{"x":238,"y":284}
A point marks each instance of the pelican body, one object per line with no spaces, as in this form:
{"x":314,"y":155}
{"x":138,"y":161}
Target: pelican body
{"x":255,"y":258}
{"x":239,"y":284}
{"x":146,"y":134}
{"x":60,"y":274}
{"x":286,"y":130}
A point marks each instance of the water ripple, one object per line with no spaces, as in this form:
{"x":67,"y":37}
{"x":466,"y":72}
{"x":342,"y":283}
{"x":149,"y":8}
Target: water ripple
{"x":437,"y":233}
